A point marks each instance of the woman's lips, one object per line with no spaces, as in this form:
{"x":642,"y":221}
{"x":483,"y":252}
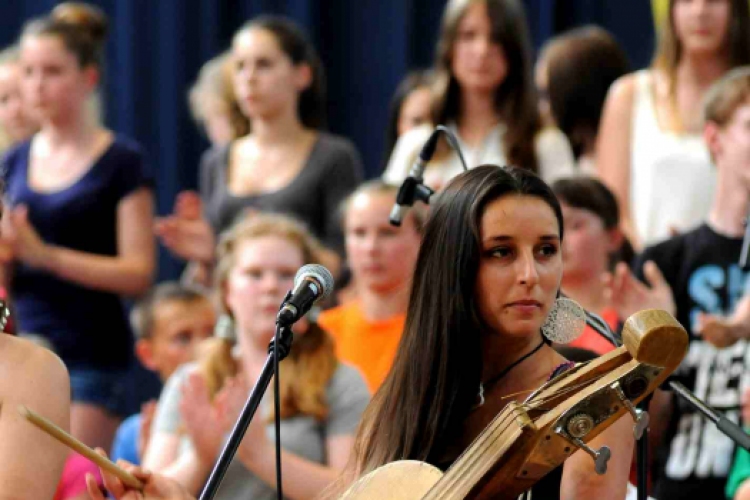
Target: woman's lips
{"x":525,"y":306}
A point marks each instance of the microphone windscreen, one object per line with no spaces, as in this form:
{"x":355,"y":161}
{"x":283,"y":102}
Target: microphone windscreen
{"x":318,"y":273}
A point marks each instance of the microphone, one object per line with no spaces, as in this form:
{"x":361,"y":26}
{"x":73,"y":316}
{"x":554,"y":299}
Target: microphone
{"x":312,"y":283}
{"x":412,"y":188}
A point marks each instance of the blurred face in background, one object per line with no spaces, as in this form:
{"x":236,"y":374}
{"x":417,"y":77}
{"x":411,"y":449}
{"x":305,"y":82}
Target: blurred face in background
{"x":266,"y":82}
{"x":478,"y":61}
{"x":15,"y":121}
{"x":54,"y":85}
{"x":263,"y":271}
{"x":587,"y":245}
{"x":415,"y":110}
{"x":702,"y":26}
{"x":179,"y":326}
{"x":381,"y":256}
{"x":730,"y":146}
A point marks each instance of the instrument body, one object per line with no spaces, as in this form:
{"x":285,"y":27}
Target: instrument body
{"x":526,"y":441}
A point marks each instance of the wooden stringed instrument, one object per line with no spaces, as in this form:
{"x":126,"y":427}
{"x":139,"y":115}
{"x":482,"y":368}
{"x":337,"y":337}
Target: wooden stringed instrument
{"x":527,"y":440}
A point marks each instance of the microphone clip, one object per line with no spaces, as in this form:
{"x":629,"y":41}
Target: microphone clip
{"x":410,"y":191}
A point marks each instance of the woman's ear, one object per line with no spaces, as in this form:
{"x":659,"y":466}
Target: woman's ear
{"x":91,"y":76}
{"x":303,"y":76}
{"x":712,"y":138}
{"x":615,"y":239}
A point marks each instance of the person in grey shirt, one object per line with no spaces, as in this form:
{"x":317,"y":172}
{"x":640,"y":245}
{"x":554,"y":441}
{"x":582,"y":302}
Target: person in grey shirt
{"x":286,"y":164}
{"x":322,"y":399}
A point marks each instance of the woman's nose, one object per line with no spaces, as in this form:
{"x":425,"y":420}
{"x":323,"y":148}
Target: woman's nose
{"x":526,"y":270}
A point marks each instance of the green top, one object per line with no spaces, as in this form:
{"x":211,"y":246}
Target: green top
{"x":740,"y":471}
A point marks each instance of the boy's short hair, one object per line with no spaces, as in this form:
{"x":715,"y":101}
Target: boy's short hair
{"x":726,"y":95}
{"x":142,"y":315}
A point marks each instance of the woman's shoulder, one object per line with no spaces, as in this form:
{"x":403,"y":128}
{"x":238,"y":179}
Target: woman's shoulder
{"x":126,"y":147}
{"x":15,"y":155}
{"x":334,"y":147}
{"x":39,"y":375}
{"x":623,"y":90}
{"x":217,"y":153}
{"x":346,"y":379}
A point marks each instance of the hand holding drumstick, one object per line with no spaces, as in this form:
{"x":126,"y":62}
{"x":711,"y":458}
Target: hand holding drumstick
{"x":155,"y":487}
{"x":124,"y":480}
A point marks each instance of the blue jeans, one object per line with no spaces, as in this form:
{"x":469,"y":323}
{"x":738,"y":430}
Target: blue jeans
{"x":102,"y":388}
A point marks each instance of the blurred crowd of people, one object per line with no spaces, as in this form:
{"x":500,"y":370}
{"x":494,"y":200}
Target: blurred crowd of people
{"x":650,"y":168}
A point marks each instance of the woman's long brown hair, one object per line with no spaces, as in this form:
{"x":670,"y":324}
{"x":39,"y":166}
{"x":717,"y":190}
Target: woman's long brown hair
{"x":515,"y":98}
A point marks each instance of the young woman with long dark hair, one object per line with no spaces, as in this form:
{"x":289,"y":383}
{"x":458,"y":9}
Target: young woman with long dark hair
{"x":484,"y":92}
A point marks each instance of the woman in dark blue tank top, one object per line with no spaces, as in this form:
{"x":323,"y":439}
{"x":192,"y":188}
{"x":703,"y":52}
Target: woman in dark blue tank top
{"x":78,"y":221}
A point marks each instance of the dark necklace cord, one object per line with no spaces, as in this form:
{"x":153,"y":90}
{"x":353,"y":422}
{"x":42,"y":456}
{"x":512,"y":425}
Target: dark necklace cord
{"x":505,"y":371}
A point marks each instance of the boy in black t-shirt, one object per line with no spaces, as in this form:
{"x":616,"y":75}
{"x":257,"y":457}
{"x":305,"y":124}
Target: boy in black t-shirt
{"x":693,"y":275}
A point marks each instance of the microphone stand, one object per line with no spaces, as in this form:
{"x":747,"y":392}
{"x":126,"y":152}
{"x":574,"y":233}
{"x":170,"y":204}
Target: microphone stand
{"x":285,"y":336}
{"x":726,"y":426}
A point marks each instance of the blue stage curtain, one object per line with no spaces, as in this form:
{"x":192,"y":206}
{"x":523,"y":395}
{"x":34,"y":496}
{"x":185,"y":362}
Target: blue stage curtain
{"x":157,"y":47}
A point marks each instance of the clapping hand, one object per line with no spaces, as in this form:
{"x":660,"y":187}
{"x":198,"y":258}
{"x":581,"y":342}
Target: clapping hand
{"x":186,"y":233}
{"x":229,"y":402}
{"x":201,"y":419}
{"x":20,"y":241}
{"x":628,"y":295}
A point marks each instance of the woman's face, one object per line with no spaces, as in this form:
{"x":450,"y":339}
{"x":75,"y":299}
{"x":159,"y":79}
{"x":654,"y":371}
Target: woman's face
{"x":520,"y":266}
{"x":14,"y":119}
{"x":478,"y":62}
{"x":587,"y":246}
{"x":731,"y":147}
{"x":53,"y":84}
{"x":263,"y":272}
{"x":382,"y":257}
{"x":702,"y":25}
{"x":266,"y":82}
{"x":415,"y":110}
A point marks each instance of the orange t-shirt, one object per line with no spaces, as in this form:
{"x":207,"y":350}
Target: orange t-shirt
{"x":591,"y":340}
{"x":370,"y":346}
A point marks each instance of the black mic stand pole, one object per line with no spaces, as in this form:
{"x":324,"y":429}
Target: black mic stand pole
{"x":641,"y":459}
{"x":285,"y":336}
{"x":726,"y":426}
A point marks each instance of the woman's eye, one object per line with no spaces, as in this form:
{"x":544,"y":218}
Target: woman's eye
{"x":548,"y":250}
{"x":501,"y":252}
{"x":287,"y":275}
{"x":255,"y":274}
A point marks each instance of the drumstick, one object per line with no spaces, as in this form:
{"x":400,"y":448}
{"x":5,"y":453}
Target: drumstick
{"x":73,"y":443}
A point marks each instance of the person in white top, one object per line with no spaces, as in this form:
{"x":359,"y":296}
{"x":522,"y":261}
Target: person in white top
{"x":650,"y":152}
{"x":484,"y":93}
